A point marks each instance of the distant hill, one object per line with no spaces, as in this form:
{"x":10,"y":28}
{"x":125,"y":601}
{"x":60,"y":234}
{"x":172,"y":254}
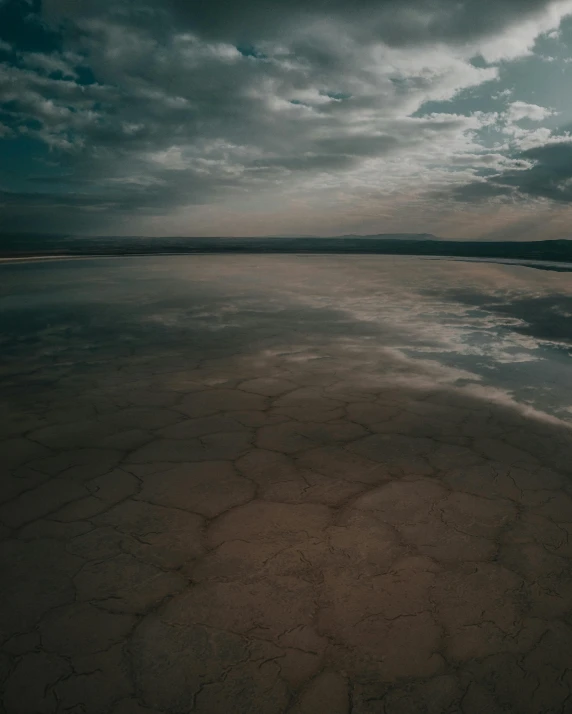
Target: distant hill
{"x":379,"y":236}
{"x":423,"y":244}
{"x":393,"y":236}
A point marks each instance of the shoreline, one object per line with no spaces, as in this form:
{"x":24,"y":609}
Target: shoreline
{"x":563,"y":266}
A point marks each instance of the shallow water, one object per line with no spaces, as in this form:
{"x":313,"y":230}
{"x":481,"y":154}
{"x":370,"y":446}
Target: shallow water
{"x":502,"y":330}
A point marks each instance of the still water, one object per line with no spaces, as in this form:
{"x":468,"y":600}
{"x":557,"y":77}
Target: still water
{"x":503,"y":331}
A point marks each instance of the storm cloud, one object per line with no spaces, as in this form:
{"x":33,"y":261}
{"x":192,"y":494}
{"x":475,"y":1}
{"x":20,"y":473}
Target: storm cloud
{"x":220,"y":117}
{"x":547,"y":175}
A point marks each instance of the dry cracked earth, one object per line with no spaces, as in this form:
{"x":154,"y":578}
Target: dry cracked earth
{"x":289,"y":536}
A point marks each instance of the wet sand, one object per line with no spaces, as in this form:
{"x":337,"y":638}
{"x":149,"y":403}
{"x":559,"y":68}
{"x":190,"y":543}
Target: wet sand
{"x":286,"y":520}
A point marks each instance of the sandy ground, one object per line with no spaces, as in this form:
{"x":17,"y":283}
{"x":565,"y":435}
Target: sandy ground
{"x":287,"y":537}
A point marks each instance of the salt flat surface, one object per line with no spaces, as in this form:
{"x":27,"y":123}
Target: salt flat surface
{"x":285,"y":484}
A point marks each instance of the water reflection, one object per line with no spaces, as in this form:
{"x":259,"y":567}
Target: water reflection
{"x":504,"y":327}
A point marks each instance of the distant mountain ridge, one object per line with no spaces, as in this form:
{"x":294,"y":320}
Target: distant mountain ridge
{"x":378,"y":236}
{"x":392,"y":236}
{"x":422,"y":244}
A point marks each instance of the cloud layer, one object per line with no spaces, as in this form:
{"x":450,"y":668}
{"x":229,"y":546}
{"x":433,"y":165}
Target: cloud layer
{"x":214,"y":117}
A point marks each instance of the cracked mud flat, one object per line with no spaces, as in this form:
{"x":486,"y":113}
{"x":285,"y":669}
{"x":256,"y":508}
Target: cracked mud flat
{"x":241,"y":509}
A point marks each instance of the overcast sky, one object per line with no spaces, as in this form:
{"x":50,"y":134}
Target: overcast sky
{"x":267,"y":117}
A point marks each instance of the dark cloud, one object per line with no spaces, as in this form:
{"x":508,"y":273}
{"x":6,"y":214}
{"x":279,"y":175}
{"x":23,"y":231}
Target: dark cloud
{"x":549,"y":177}
{"x":396,"y":22}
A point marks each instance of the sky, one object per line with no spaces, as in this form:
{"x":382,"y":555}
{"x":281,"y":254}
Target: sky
{"x":287,"y":117}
